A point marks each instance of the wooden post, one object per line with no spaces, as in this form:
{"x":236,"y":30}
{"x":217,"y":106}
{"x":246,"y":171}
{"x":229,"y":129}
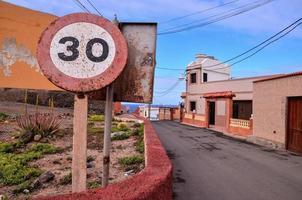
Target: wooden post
{"x":107,"y":135}
{"x":79,"y":155}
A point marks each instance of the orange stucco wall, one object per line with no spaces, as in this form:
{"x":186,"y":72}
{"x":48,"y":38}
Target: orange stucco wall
{"x":20,"y":30}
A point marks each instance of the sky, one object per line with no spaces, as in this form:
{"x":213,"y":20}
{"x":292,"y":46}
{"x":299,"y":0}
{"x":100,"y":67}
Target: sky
{"x":223,"y":40}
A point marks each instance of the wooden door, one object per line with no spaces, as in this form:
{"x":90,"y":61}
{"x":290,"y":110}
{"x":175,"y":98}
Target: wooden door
{"x":294,"y":128}
{"x":212,"y":113}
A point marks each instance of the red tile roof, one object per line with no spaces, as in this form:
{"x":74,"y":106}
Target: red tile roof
{"x":280,"y":76}
{"x":219,"y":94}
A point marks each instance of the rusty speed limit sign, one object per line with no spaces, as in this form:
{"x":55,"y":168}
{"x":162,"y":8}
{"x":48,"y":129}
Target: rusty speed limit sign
{"x":82,"y":52}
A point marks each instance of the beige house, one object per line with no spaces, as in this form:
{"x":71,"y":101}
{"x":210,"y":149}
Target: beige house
{"x":264,"y":110}
{"x":213,"y":99}
{"x":277,"y":111}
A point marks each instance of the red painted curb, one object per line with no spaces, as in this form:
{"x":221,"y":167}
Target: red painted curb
{"x":153,"y":183}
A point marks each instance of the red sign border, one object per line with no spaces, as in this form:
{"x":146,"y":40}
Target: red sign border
{"x":80,"y":84}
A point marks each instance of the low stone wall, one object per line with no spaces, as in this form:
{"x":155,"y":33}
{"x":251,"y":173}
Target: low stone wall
{"x":153,"y":183}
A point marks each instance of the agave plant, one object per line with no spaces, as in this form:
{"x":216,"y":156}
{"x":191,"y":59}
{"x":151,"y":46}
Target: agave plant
{"x":43,"y":124}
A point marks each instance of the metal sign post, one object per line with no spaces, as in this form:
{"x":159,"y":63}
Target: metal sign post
{"x":82,"y":53}
{"x":107,"y":135}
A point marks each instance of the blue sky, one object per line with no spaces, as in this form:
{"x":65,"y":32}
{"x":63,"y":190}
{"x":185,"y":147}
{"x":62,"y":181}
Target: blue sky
{"x":223,"y":40}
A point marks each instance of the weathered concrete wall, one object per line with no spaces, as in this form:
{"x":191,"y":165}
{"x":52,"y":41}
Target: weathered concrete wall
{"x":153,"y":183}
{"x":270,"y":106}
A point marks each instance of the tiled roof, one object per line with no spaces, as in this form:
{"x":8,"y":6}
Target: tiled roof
{"x":280,"y":76}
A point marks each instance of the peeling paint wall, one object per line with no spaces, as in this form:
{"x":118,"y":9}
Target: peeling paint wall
{"x":20,"y":30}
{"x":11,"y":52}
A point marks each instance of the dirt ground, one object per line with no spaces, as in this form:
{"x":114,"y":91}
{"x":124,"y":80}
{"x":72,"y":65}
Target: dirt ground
{"x":60,"y":163}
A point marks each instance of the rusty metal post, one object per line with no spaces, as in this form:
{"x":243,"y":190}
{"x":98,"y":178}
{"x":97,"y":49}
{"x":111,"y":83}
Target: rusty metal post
{"x":107,"y":129}
{"x":149,"y":111}
{"x":107,"y":134}
{"x":79,"y":154}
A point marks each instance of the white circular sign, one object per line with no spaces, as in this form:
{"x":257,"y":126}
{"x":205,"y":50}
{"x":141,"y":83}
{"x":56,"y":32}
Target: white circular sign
{"x":82,"y":50}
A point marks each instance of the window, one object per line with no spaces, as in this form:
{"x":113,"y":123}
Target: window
{"x":205,"y":77}
{"x":193,"y":78}
{"x":192,"y":106}
{"x":242,"y":109}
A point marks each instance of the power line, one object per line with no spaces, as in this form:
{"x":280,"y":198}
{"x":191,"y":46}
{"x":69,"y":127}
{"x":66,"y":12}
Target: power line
{"x":269,"y":41}
{"x":171,"y":88}
{"x":94,"y":7}
{"x":226,"y":16}
{"x":278,"y":38}
{"x":78,"y":2}
{"x":198,"y":12}
{"x":260,"y":44}
{"x":215,"y":15}
{"x":171,"y":69}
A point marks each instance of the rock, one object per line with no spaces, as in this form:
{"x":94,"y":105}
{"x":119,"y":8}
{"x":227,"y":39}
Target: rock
{"x":128,"y":173}
{"x":90,"y":165}
{"x":57,"y":162}
{"x":46,"y":177}
{"x":26,"y":191}
{"x":35,"y":184}
{"x":43,"y":178}
{"x":117,"y":133}
{"x":37,"y":138}
{"x":26,"y":137}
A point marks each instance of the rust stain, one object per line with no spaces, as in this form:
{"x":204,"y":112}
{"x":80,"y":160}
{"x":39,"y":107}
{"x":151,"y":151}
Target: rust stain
{"x":135,"y":84}
{"x":106,"y":160}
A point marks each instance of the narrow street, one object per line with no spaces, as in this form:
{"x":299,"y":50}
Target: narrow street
{"x":210,"y":166}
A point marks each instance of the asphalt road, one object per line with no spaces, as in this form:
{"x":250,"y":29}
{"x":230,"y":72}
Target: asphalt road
{"x":210,"y":166}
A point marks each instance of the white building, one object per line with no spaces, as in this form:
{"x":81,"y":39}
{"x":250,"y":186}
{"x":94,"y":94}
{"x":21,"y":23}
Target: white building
{"x":154,"y":112}
{"x":206,"y":69}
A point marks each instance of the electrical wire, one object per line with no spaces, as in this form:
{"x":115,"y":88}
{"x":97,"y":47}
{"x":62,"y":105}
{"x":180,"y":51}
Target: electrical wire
{"x":269,"y":41}
{"x":171,"y":88}
{"x":215,"y":15}
{"x":255,"y":47}
{"x":171,"y":69}
{"x":198,"y":12}
{"x":78,"y":2}
{"x":91,"y":4}
{"x":278,"y":38}
{"x":215,"y":20}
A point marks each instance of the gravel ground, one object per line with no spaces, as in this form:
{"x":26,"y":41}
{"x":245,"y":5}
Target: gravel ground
{"x":60,"y":163}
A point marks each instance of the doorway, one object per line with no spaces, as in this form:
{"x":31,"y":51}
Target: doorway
{"x":212,"y":112}
{"x":294,"y":125}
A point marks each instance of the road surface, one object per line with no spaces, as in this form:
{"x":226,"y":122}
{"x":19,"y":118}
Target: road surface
{"x":210,"y":166}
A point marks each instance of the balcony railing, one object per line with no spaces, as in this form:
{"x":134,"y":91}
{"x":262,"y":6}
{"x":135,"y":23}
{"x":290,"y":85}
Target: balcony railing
{"x":188,"y":116}
{"x":199,"y":117}
{"x":241,"y":123}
